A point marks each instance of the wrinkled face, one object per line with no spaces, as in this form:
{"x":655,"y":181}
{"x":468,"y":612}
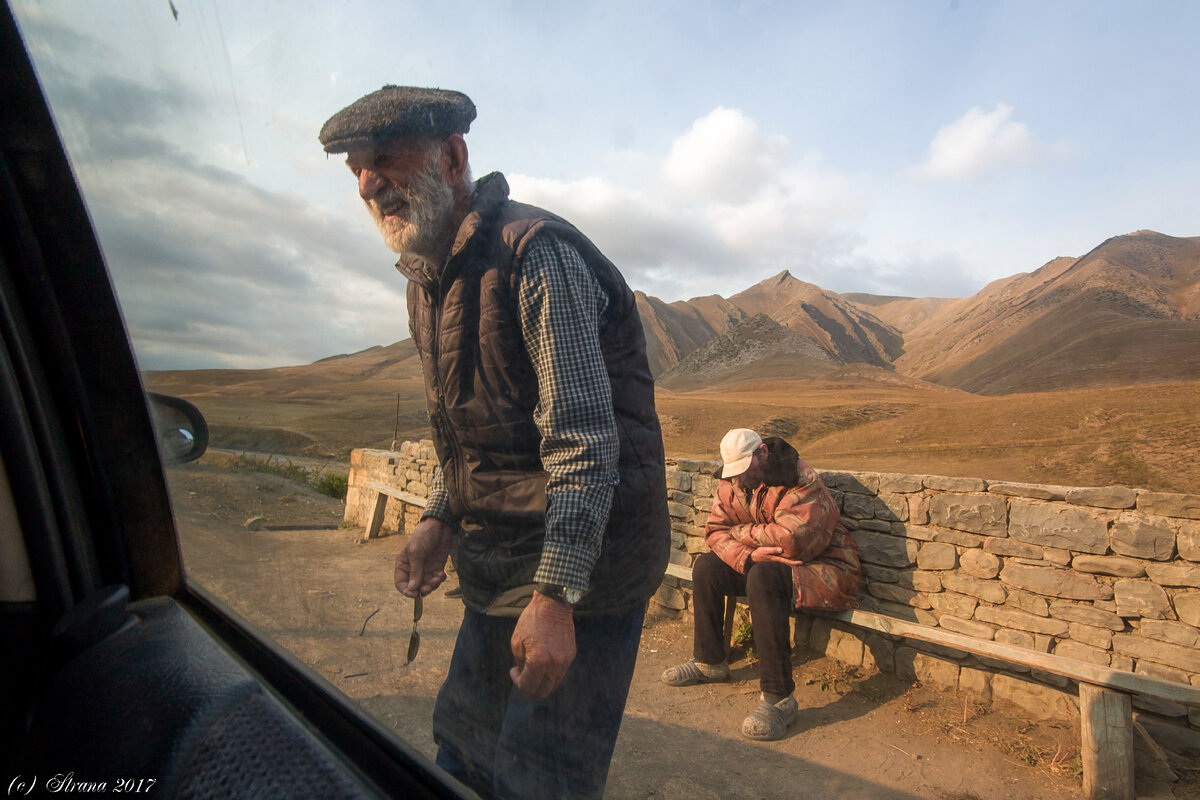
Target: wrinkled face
{"x":404,"y":187}
{"x":752,"y":478}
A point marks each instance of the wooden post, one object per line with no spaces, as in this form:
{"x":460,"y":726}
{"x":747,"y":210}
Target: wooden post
{"x":1106,"y":741}
{"x":376,"y":516}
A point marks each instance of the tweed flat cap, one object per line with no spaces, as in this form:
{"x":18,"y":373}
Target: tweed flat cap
{"x":396,"y":112}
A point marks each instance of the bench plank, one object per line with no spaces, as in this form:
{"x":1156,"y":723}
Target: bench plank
{"x":382,"y":493}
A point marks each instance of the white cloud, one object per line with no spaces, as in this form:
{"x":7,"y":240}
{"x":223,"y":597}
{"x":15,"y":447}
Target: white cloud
{"x":978,"y":144}
{"x":723,"y":155}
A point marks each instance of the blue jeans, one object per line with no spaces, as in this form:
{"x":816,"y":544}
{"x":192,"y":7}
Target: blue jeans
{"x":505,"y":744}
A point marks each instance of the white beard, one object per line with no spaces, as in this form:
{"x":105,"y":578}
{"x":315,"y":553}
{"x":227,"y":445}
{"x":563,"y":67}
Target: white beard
{"x":420,"y":228}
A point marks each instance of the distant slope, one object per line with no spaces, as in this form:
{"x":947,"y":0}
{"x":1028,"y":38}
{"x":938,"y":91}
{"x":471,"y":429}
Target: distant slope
{"x":902,"y":313}
{"x":759,"y":348}
{"x":1127,"y":312}
{"x":847,"y":332}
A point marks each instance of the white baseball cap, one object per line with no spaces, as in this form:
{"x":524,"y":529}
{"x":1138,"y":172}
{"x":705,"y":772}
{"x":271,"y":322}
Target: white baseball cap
{"x":737,"y":448}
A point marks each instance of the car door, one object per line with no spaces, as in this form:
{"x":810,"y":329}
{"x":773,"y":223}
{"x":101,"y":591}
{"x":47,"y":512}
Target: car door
{"x":120,"y":674}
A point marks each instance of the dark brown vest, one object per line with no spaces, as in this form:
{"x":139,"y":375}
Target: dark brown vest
{"x":482,"y":391}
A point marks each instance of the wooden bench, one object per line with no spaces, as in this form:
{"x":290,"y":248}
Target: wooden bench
{"x":1106,"y":713}
{"x":382,"y":493}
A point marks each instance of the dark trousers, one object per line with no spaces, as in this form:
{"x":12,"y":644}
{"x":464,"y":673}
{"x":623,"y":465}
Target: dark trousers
{"x":768,"y":585}
{"x":505,"y":744}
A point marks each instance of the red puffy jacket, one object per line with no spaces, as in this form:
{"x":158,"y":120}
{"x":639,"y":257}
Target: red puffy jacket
{"x":802,"y":519}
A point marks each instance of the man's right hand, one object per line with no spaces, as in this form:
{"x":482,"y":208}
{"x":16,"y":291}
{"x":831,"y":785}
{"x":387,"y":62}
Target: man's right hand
{"x":421,"y":563}
{"x":760,"y":554}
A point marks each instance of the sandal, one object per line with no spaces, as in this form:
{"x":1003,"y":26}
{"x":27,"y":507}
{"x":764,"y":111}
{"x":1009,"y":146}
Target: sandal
{"x":695,"y":672}
{"x":770,"y":721}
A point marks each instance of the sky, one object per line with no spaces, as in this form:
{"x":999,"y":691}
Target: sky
{"x":918,"y":148}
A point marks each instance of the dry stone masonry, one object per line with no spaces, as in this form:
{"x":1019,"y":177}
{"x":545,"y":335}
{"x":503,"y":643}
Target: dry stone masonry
{"x":1106,"y":575}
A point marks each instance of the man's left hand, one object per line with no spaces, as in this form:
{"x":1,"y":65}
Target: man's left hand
{"x":543,"y":645}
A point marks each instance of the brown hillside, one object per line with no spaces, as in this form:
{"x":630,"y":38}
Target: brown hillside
{"x":672,"y":331}
{"x":902,"y":313}
{"x":1124,"y":313}
{"x":759,"y":348}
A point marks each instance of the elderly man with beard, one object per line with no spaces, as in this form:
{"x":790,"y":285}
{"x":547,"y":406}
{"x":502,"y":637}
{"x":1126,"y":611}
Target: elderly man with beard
{"x":551,"y":490}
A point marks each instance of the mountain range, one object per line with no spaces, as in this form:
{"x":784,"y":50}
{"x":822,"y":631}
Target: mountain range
{"x":1127,"y":312}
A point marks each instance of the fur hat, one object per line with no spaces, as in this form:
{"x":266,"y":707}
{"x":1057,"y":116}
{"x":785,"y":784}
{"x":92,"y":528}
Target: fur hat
{"x":397,"y":112}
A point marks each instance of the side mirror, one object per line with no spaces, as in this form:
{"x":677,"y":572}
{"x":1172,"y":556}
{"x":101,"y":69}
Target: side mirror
{"x":180,"y":427}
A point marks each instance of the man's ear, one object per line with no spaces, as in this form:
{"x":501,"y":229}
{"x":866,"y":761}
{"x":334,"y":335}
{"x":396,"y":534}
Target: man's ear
{"x":454,"y":159}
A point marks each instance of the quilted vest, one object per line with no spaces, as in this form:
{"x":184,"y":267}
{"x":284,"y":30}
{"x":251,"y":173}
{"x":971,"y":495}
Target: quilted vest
{"x":481,"y":390}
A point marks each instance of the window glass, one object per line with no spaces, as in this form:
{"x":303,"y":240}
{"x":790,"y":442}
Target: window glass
{"x":853,"y":171}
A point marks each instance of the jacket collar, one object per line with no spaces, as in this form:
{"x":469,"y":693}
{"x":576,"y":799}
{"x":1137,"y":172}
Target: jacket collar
{"x":489,"y":194}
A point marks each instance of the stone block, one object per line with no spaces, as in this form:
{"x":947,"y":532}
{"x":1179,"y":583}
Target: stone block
{"x":1187,"y":607}
{"x":859,"y":506}
{"x":1019,"y":620}
{"x":695,"y":545}
{"x":702,"y":504}
{"x":417,"y":488}
{"x":1015,"y":638}
{"x":1042,"y":702}
{"x":873,"y":573}
{"x":1103,"y":496}
{"x":975,"y":682}
{"x":854,"y":482}
{"x":920,"y":533}
{"x":1057,"y":525}
{"x":1011,"y":548}
{"x":898,"y":594}
{"x":1187,"y":535}
{"x":877,"y":525}
{"x":1143,"y":536}
{"x":678,"y":479}
{"x":879,"y":653}
{"x":918,"y":509}
{"x":937,"y":556}
{"x":704,"y":484}
{"x":1061,"y":558}
{"x":1035,"y":491}
{"x":1142,"y":599}
{"x":978,"y":564}
{"x":1174,"y":575}
{"x":1139,"y":647}
{"x":1179,"y":633}
{"x":1087,"y":614}
{"x":1091,"y":635}
{"x":818,"y":634}
{"x":1028,"y":602}
{"x":974,"y":513}
{"x":1169,"y":504}
{"x":948,"y":484}
{"x":670,"y":597}
{"x":957,"y":605}
{"x":1080,"y":651}
{"x":922,"y":581}
{"x":932,"y":671}
{"x":678,"y":537}
{"x":680,"y":511}
{"x":904,"y":656}
{"x":976,"y":630}
{"x":896,"y":505}
{"x":885,"y":550}
{"x":1160,"y":671}
{"x":1108,"y":565}
{"x":960,"y":538}
{"x":845,"y":647}
{"x":990,"y":591}
{"x":1052,"y":582}
{"x":677,"y":496}
{"x":898,"y":483}
{"x":687,"y":465}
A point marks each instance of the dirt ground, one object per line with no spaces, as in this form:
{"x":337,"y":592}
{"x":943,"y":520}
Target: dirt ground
{"x":858,"y":736}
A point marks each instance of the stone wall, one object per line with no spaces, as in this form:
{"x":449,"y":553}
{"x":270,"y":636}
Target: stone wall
{"x":1106,"y":575}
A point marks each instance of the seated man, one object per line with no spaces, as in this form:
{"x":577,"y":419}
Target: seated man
{"x":776,"y":536}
